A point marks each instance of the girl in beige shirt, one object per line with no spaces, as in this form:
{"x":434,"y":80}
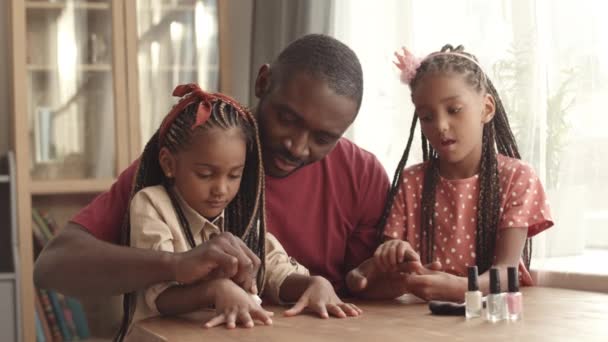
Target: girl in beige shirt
{"x":202,"y":175}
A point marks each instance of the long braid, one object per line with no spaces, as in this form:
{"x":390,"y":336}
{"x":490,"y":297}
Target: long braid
{"x":390,"y":198}
{"x":497,"y":135}
{"x":427,"y":236}
{"x":245,"y":215}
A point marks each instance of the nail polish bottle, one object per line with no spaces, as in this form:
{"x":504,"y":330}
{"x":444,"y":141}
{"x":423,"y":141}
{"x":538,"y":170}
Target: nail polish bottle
{"x":472,"y":298}
{"x":514,"y":298}
{"x":497,"y":309}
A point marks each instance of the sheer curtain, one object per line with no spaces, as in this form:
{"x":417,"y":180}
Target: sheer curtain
{"x":549,"y":62}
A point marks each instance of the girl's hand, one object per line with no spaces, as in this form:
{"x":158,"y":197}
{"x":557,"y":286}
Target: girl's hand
{"x":436,"y":285}
{"x":394,"y":252}
{"x":321,"y":298}
{"x":233,"y":305}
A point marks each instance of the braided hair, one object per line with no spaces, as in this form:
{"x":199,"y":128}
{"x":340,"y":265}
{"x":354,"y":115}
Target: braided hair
{"x":497,"y":135}
{"x":245,"y":215}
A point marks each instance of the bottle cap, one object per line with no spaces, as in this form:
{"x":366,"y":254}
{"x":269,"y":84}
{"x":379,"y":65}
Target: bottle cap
{"x":513,"y":279}
{"x":473,"y":278}
{"x":494,"y":281}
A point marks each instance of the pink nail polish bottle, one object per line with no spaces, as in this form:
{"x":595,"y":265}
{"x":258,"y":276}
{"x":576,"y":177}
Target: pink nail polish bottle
{"x":515,"y":299}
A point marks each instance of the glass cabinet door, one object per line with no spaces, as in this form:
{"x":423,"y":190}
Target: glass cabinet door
{"x":177,"y":42}
{"x":70,"y":89}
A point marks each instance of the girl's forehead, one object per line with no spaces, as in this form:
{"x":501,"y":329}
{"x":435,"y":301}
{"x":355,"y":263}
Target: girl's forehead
{"x":441,"y":85}
{"x":219,"y":147}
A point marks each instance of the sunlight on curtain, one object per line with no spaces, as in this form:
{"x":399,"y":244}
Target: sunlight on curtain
{"x":178,"y":43}
{"x":549,"y":62}
{"x":68,"y":125}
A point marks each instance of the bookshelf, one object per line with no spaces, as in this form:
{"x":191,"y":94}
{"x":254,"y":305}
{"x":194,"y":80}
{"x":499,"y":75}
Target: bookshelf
{"x":43,"y":5}
{"x":67,"y":187}
{"x":91,"y":81}
{"x":79,"y":68}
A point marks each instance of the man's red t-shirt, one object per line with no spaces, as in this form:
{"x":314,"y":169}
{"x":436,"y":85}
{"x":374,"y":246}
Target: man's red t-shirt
{"x":324,"y":214}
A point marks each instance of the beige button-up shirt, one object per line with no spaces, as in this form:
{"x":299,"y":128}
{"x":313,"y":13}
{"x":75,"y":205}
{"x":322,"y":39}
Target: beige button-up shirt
{"x":154,"y":225}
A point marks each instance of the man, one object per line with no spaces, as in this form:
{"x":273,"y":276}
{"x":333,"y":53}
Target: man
{"x":324,"y":195}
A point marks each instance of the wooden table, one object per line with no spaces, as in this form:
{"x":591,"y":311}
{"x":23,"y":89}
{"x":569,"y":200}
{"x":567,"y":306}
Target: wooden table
{"x":550,"y":315}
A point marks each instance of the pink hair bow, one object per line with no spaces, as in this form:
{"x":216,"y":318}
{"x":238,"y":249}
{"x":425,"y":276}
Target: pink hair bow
{"x":408,"y":64}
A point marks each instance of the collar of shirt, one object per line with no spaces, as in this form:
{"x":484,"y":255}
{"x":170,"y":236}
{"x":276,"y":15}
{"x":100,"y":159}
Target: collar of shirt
{"x":199,"y":225}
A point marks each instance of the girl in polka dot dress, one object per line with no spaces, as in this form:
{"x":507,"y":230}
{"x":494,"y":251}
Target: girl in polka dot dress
{"x":472,"y":201}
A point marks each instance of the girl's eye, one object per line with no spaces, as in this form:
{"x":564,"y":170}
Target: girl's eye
{"x":235,"y":176}
{"x":426,"y":118}
{"x":204,"y":175}
{"x":454,"y":110}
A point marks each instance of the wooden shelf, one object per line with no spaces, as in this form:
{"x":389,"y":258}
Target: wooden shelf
{"x":67,"y":186}
{"x":7,"y":276}
{"x":169,"y":68}
{"x":170,"y":8}
{"x":4,"y":179}
{"x":79,"y":67}
{"x":61,"y":5}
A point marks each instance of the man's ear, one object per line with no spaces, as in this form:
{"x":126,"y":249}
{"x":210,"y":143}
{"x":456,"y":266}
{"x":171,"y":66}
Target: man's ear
{"x":167,"y":162}
{"x":262,"y":81}
{"x":489,"y":109}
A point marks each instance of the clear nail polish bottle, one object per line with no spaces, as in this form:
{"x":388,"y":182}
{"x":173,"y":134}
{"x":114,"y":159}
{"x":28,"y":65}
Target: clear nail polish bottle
{"x":514,"y":297}
{"x":497,"y":309}
{"x":472,"y":297}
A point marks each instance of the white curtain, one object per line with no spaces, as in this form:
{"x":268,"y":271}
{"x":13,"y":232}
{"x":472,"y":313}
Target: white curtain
{"x":174,"y":47}
{"x":549,"y":62}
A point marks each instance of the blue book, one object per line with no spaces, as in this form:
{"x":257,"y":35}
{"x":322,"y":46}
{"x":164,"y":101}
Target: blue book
{"x":39,"y":331}
{"x":79,"y":317}
{"x":58,"y":311}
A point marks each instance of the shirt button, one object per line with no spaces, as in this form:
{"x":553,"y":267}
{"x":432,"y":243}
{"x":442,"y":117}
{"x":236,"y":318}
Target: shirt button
{"x":293,"y":261}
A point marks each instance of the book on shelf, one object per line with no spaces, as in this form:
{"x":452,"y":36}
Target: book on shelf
{"x":61,"y":318}
{"x":39,"y":332}
{"x":50,"y":316}
{"x":44,"y":326}
{"x":79,"y":317}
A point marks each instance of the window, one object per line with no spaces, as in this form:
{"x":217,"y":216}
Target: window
{"x":549,"y":62}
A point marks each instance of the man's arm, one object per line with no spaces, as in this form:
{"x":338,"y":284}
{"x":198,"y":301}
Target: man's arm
{"x":76,"y":263}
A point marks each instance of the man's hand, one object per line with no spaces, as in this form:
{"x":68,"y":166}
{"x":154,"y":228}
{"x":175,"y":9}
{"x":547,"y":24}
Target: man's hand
{"x":321,"y":298}
{"x":225,"y":254}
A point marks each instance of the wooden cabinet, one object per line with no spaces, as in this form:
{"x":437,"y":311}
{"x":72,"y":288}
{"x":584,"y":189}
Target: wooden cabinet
{"x":91,"y":81}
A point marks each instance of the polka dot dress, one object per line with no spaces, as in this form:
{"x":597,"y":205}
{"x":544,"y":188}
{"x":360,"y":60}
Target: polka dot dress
{"x":523,"y":205}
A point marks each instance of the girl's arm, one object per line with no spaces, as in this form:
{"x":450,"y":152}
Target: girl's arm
{"x":435,"y":285}
{"x":182,"y":299}
{"x":232,"y":304}
{"x":370,"y":282}
{"x":509,"y":247}
{"x":317,"y":294}
{"x":289,"y":282}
